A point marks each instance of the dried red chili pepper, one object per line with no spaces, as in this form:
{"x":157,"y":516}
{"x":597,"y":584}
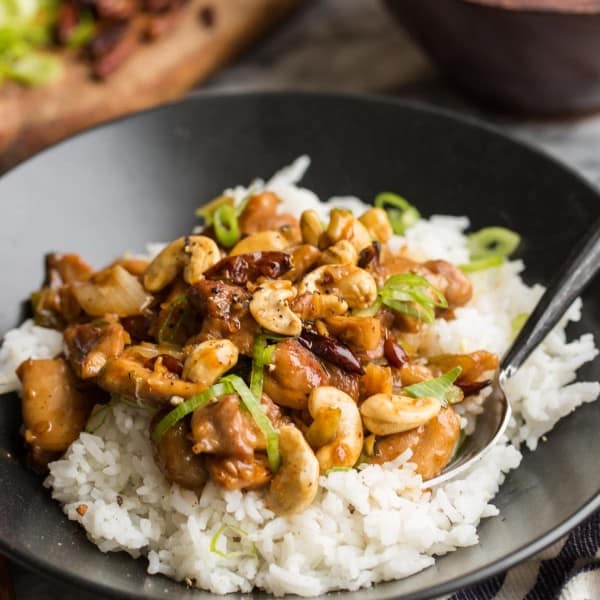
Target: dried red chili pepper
{"x":394,"y":352}
{"x":471,"y":388}
{"x":369,"y":255}
{"x":332,"y":350}
{"x":242,"y":268}
{"x":174,"y":365}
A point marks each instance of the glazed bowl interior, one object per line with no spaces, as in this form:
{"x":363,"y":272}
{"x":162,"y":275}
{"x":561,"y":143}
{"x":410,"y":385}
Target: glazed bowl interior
{"x":117,"y":187}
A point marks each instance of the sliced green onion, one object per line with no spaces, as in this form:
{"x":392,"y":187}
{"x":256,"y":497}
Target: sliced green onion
{"x":190,"y":405}
{"x":97,"y":417}
{"x":401,"y":213}
{"x":458,"y":447}
{"x":226,"y":225}
{"x":215,"y":539}
{"x":434,"y":388}
{"x":482,"y":264}
{"x":454,"y":395}
{"x":83,"y":31}
{"x":258,"y":414}
{"x":370,"y":311}
{"x":518,"y":322}
{"x":26,"y":27}
{"x":33,"y":69}
{"x":412,"y":295}
{"x":338,"y":470}
{"x":267,"y":357}
{"x":492,"y":241}
{"x":160,"y":336}
{"x":207,"y":211}
{"x":256,"y":374}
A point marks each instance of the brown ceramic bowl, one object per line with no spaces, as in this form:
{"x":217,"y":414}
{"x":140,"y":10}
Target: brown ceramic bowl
{"x":537,"y":56}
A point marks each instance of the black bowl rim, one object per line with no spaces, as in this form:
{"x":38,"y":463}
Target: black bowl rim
{"x":556,"y":11}
{"x":470,"y":578}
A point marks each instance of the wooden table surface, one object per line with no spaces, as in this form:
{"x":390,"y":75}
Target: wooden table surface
{"x":365,"y":52}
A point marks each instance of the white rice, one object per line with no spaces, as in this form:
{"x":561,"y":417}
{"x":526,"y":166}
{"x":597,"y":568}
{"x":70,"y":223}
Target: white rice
{"x":366,"y":526}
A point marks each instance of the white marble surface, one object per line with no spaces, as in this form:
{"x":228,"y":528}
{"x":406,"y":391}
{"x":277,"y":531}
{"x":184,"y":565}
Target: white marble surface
{"x":354,"y":46}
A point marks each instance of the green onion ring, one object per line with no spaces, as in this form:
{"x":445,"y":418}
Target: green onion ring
{"x":219,"y":533}
{"x":190,"y":405}
{"x":159,"y":336}
{"x":401,"y":213}
{"x":482,"y":264}
{"x":412,"y":295}
{"x":492,"y":241}
{"x":256,"y":374}
{"x":207,"y":211}
{"x":226,"y":225}
{"x":258,"y":414}
{"x":436,"y":388}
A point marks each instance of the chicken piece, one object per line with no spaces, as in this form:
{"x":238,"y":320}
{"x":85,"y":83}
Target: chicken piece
{"x":55,"y":305}
{"x":135,"y":266}
{"x":54,"y":410}
{"x":343,"y":380}
{"x":224,"y":428}
{"x":221,"y":428}
{"x":376,"y":380}
{"x":90,"y":346}
{"x":260,"y":214}
{"x":304,"y":258}
{"x":390,"y":263}
{"x":432,"y":444}
{"x":411,"y":373}
{"x":458,"y":289}
{"x":294,"y":373}
{"x":364,"y":335}
{"x":226,"y":313}
{"x":238,"y":473}
{"x":64,"y":269}
{"x":477,"y":368}
{"x":141,"y":373}
{"x":174,"y":457}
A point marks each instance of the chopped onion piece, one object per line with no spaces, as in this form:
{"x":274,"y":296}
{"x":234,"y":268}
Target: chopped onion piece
{"x":115,"y":291}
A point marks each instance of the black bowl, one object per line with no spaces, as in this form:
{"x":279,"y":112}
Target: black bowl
{"x":535,"y":56}
{"x":139,"y":179}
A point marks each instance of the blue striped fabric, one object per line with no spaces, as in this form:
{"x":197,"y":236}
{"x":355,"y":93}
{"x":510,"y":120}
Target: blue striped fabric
{"x":570,"y":573}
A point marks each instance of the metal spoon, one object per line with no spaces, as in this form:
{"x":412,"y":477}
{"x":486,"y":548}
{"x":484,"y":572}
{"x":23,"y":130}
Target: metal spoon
{"x":580,"y":268}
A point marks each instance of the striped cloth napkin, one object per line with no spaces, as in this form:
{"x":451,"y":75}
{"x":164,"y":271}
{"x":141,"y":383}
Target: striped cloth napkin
{"x":567,"y":570}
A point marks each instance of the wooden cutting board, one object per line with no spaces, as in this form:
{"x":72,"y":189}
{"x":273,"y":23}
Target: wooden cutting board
{"x":32,"y":118}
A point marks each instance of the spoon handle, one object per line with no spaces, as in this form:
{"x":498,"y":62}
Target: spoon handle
{"x":567,"y":284}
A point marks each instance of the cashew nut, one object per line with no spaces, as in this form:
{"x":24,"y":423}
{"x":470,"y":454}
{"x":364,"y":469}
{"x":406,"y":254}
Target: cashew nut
{"x":341,"y":253}
{"x":344,"y":450}
{"x":378,"y":224}
{"x":344,"y":226}
{"x":311,"y":227}
{"x":260,"y":242}
{"x":270,"y":307}
{"x":164,"y":268}
{"x":304,"y":258}
{"x":206,"y":362}
{"x":295,"y":485}
{"x":384,"y":414}
{"x":194,"y":253}
{"x":202,"y":253}
{"x":353,"y":284}
{"x":318,"y":306}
